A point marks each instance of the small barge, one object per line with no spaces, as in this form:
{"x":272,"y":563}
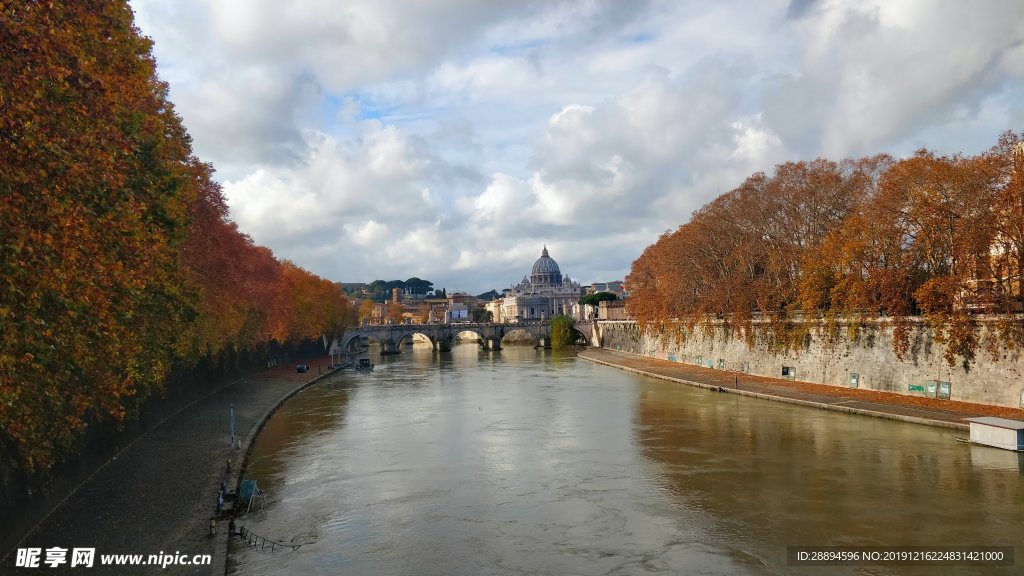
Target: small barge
{"x":997,"y":432}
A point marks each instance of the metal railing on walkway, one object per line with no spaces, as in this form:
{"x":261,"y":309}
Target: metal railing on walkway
{"x":257,"y":542}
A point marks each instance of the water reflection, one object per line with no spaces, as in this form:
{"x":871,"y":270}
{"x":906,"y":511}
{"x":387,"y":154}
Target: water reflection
{"x":986,"y":457}
{"x":319,"y":411}
{"x":532,"y":462}
{"x":769,"y":475}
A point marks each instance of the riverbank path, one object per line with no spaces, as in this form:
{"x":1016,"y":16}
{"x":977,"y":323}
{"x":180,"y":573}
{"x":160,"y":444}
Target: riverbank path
{"x":947,"y":413}
{"x":159,"y":494}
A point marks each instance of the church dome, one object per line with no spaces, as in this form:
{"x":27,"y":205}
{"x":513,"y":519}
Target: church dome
{"x":545,"y":270}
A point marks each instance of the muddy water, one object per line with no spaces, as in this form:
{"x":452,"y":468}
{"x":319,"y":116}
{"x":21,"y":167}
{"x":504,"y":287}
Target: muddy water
{"x":529,"y":462}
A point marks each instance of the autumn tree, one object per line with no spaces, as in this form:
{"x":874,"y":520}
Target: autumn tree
{"x":243,"y":294}
{"x":915,"y":247}
{"x":366,"y":311}
{"x":394,"y":312}
{"x":937,"y":237}
{"x":93,"y":200}
{"x":1005,"y":265}
{"x":118,"y":257}
{"x":742,"y":253}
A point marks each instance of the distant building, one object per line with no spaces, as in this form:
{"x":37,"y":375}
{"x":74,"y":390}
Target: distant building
{"x":494,"y":307}
{"x":380,"y":312}
{"x":436,"y":309}
{"x":612,"y":310}
{"x":355,"y":288}
{"x":541,"y":295}
{"x":462,"y":298}
{"x":418,"y":309}
{"x":615,"y":287}
{"x":458,"y":313}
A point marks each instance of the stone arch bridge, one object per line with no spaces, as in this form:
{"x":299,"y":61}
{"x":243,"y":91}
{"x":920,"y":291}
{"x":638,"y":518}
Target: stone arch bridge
{"x":441,"y":336}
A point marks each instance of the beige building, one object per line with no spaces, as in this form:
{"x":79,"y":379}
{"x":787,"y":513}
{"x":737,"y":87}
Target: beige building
{"x":436,"y":309}
{"x":612,"y":310}
{"x":494,"y":307}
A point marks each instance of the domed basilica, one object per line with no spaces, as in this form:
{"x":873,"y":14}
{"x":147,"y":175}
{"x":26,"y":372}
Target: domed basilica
{"x":545,"y":293}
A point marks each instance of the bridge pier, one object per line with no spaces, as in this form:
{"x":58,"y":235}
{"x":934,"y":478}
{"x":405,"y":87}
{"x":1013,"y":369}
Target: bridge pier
{"x":443,"y":344}
{"x":388,"y":347}
{"x":544,"y":342}
{"x":492,"y":343}
{"x":595,"y":335}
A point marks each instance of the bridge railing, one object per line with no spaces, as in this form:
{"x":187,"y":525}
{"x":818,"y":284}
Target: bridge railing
{"x":450,"y":325}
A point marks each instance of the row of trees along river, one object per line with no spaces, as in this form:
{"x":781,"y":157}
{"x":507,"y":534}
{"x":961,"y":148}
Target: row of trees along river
{"x":119,"y":263}
{"x":929,"y":238}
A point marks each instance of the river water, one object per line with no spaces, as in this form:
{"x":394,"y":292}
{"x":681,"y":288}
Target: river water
{"x":533,"y":462}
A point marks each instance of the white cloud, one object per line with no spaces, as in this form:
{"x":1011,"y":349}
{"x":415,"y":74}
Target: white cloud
{"x":490,"y":78}
{"x":369,"y":235}
{"x":873,"y":73}
{"x":449,"y":140}
{"x":376,"y":179}
{"x":755,"y":145}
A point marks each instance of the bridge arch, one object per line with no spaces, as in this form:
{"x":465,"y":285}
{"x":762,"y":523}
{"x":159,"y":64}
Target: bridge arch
{"x":517,"y":332}
{"x":407,"y":336}
{"x":474,"y":331}
{"x":348,"y":341}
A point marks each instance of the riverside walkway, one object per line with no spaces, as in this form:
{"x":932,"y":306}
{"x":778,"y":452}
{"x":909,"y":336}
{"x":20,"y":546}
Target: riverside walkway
{"x":159,"y":493}
{"x":945,"y":413}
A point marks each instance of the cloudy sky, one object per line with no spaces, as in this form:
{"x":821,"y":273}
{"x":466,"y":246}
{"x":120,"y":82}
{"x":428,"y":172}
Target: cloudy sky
{"x":451,"y":139}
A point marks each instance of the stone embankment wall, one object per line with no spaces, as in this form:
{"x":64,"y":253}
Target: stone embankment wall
{"x":867,"y":362}
{"x":25,"y":499}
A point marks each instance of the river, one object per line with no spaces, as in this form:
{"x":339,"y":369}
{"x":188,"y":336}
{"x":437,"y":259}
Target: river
{"x":533,"y":462}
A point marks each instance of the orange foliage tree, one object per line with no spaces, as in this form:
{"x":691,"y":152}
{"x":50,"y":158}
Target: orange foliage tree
{"x":395,"y":312}
{"x":117,"y":257}
{"x":318,"y":307}
{"x":93,"y":201}
{"x":366,"y":310}
{"x":929,"y":236}
{"x":742,"y":253}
